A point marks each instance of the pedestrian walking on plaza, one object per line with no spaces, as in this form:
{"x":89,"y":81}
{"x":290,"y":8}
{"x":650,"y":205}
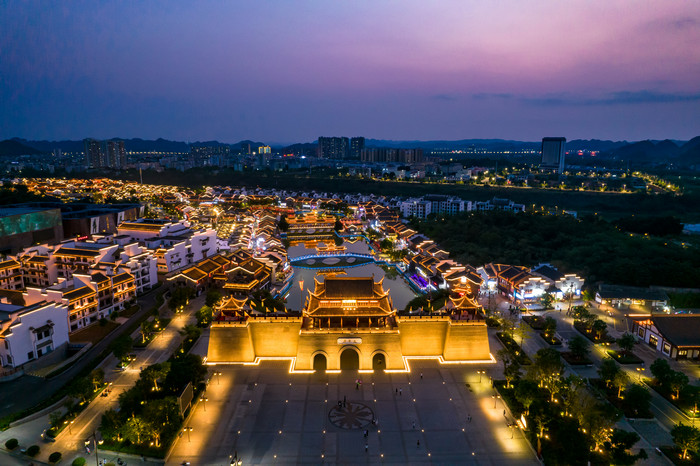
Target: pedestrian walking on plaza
{"x":397,"y":391}
{"x":340,"y":404}
{"x":469,"y":418}
{"x":421,"y":376}
{"x":417,"y":443}
{"x":366,"y":433}
{"x":345,"y":400}
{"x":366,"y":447}
{"x":401,"y":391}
{"x":414,"y":425}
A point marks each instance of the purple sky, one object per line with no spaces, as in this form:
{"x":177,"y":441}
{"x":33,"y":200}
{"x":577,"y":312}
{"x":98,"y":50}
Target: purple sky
{"x":288,"y":71}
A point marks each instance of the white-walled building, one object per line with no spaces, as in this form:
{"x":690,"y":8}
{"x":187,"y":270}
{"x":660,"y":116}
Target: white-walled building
{"x":416,"y":208}
{"x":565,"y":284}
{"x":30,"y":332}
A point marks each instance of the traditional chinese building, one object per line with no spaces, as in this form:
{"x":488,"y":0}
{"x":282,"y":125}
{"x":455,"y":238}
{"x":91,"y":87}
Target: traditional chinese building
{"x":347,"y":323}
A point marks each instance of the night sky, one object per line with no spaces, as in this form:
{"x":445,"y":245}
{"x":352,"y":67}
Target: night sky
{"x":290,"y":71}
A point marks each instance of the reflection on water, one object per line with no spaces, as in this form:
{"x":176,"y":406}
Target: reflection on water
{"x":399,"y":291}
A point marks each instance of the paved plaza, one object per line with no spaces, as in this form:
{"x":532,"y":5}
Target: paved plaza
{"x":268,"y":416}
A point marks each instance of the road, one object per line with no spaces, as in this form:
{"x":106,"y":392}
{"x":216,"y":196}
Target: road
{"x":159,"y":350}
{"x":71,"y":441}
{"x":13,"y":394}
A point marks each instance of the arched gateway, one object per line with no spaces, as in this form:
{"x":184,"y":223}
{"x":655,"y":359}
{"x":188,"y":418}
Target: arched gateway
{"x":349,"y":360}
{"x":320,"y":362}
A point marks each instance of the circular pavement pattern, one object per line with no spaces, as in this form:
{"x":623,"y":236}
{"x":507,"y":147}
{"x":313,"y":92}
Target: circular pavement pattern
{"x":353,"y":416}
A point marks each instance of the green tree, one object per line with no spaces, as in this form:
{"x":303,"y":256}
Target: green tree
{"x":55,"y":419}
{"x":180,"y":297}
{"x":580,"y":313}
{"x":147,"y":328}
{"x":547,"y":367}
{"x":204,"y":316}
{"x":637,"y":400}
{"x":161,"y":415}
{"x":511,"y":366}
{"x":598,"y":421}
{"x":135,"y":428}
{"x":618,"y":447}
{"x":121,"y":347}
{"x":97,"y":378}
{"x":547,"y":301}
{"x":578,"y":347}
{"x":111,"y":425}
{"x":80,"y":388}
{"x":620,"y":381}
{"x":550,"y":326}
{"x":213,"y":296}
{"x":156,"y":372}
{"x":599,"y":327}
{"x":686,"y":438}
{"x":587,"y":295}
{"x":626,"y":342}
{"x":662,"y":372}
{"x":608,"y":370}
{"x":678,"y":382}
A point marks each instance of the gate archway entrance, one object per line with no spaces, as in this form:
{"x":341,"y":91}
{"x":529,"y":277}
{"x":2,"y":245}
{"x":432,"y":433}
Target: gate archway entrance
{"x":349,"y":360}
{"x":379,"y":362}
{"x":320,"y":363}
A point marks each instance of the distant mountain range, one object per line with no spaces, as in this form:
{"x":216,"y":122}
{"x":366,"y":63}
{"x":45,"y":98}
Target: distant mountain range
{"x":667,"y":151}
{"x":650,"y":151}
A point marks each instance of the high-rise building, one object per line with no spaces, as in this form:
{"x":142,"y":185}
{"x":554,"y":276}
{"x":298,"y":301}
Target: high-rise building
{"x":553,"y":154}
{"x":116,"y":154}
{"x":357,"y":145}
{"x":94,"y":156}
{"x":387,"y":154}
{"x":333,"y":147}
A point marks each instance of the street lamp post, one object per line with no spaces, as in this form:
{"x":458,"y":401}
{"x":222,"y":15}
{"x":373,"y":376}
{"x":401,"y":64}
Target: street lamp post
{"x":495,"y":398}
{"x":235,"y":460}
{"x":480,"y":374}
{"x":639,"y":371}
{"x":204,"y":399}
{"x":188,"y":429}
{"x":94,"y":438}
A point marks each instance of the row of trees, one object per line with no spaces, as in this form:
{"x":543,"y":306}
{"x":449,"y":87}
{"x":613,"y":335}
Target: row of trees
{"x":564,"y":416}
{"x":149,"y":415}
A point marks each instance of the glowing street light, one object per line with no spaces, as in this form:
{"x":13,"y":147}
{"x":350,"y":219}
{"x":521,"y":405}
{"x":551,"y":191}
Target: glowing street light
{"x":480,"y":374}
{"x":188,"y":429}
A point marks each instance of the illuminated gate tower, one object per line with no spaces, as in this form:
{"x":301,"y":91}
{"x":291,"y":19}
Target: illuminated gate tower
{"x":348,"y":323}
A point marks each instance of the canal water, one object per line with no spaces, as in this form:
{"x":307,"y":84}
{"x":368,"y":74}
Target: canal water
{"x":398,"y":289}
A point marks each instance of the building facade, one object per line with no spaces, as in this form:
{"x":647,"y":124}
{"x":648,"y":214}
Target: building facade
{"x":346,"y":324}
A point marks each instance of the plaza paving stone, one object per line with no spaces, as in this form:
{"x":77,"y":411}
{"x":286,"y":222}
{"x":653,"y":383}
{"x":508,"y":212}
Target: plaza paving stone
{"x":259,"y":402}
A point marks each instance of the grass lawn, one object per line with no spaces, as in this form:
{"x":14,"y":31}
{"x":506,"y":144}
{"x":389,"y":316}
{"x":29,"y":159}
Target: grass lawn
{"x":624,"y":358}
{"x":93,"y":333}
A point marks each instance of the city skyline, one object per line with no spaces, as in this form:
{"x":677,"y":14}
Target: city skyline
{"x":285,"y":73}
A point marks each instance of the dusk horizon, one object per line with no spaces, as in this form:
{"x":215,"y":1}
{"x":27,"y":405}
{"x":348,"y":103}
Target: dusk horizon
{"x":293,"y":72}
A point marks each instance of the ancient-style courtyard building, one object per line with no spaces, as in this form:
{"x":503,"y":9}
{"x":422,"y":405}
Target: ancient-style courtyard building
{"x":347,"y":323}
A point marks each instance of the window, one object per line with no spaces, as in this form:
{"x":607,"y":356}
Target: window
{"x":653,"y":341}
{"x":30,"y":355}
{"x":667,"y":349}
